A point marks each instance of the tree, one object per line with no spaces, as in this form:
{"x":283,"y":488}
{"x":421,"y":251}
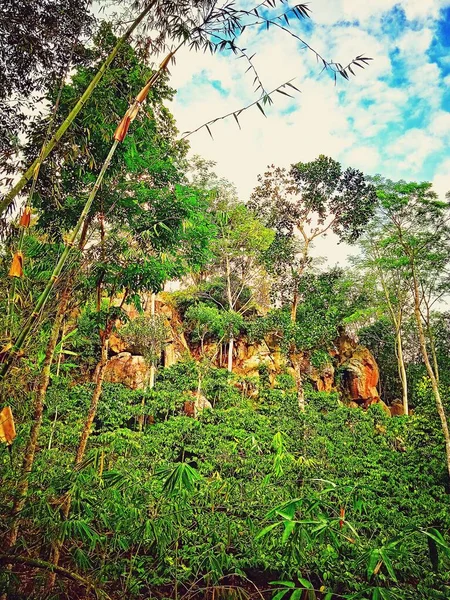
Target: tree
{"x":416,"y":230}
{"x":202,"y":25}
{"x":391,"y":272}
{"x":147,"y":335}
{"x":39,"y":42}
{"x":303,"y":204}
{"x":241,"y":240}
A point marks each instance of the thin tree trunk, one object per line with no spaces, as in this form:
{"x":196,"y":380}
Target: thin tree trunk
{"x":430,"y":371}
{"x":296,"y":363}
{"x":66,"y":505}
{"x":9,"y":197}
{"x":151,"y":380}
{"x":402,"y":372}
{"x":294,"y":307}
{"x":230,"y":353}
{"x":94,"y":401}
{"x":152,"y":366}
{"x":38,"y":407}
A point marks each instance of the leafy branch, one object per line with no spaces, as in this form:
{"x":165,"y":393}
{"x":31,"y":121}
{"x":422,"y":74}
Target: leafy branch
{"x":262,"y":100}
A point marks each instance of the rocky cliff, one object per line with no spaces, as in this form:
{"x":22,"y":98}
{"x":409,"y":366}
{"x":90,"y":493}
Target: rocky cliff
{"x":351,"y":369}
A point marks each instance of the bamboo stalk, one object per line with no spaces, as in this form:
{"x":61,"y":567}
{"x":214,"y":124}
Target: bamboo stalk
{"x":42,"y":564}
{"x":119,"y":136}
{"x":38,"y":408}
{"x":17,"y":188}
{"x":57,"y":270}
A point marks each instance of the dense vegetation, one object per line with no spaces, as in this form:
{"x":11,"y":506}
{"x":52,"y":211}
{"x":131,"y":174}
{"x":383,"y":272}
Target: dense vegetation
{"x":202,"y":478}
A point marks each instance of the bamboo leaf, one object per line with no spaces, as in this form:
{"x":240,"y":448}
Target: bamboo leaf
{"x":266,"y":530}
{"x":284,"y":93}
{"x":261,"y":109}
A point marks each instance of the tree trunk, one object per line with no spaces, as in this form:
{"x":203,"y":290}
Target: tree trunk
{"x":402,"y":371}
{"x":230,"y":353}
{"x":430,"y":371}
{"x":38,"y":407}
{"x":294,"y":307}
{"x":94,"y":400}
{"x":296,"y":363}
{"x":151,"y":379}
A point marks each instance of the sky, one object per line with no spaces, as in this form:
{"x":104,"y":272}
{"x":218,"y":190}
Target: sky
{"x":392,"y":118}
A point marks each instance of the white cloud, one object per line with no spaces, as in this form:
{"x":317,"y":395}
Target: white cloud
{"x":413,"y":148}
{"x":441,"y":181}
{"x":363,"y":122}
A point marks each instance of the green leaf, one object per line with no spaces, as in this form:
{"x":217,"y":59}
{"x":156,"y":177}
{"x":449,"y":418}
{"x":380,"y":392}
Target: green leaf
{"x":266,"y":530}
{"x":289,"y":527}
{"x":305,"y":583}
{"x":284,"y":93}
{"x":261,"y":109}
{"x":289,"y":584}
{"x":388,"y":565}
{"x":373,"y":561}
{"x":280,"y":595}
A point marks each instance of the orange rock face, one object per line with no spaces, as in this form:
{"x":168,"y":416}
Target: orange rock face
{"x":361,"y":376}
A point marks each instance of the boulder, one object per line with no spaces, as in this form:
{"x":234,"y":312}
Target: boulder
{"x":396,"y":408}
{"x":128,"y":369}
{"x":200,"y":404}
{"x":361,"y":376}
{"x":192,"y":408}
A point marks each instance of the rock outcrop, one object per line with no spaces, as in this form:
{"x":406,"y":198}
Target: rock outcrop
{"x":129,"y":369}
{"x":360,"y":376}
{"x":357,"y":368}
{"x":192,"y":408}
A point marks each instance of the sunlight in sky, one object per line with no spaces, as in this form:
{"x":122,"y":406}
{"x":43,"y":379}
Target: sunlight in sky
{"x":393,"y":117}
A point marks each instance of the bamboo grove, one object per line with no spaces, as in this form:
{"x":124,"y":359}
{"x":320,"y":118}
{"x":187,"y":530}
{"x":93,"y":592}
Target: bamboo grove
{"x":193,"y":404}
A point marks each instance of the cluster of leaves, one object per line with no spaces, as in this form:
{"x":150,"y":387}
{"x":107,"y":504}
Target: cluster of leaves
{"x":152,"y":505}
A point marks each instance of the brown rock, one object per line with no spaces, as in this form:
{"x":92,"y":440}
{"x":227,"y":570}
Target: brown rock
{"x":189,"y":409}
{"x":323,"y":378}
{"x":128,"y":369}
{"x":201,"y":403}
{"x":396,"y":408}
{"x":116,"y":344}
{"x":192,"y":408}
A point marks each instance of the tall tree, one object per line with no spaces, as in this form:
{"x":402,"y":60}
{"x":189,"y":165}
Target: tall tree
{"x":305,"y":203}
{"x":417,"y":231}
{"x":201,"y":25}
{"x":391,"y":273}
{"x":39,"y":41}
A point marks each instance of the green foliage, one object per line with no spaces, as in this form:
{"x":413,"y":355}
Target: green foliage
{"x":146,"y":335}
{"x":155,"y":503}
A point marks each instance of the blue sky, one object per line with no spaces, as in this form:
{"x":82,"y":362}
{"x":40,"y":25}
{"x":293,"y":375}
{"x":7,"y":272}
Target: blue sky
{"x":393,"y":118}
